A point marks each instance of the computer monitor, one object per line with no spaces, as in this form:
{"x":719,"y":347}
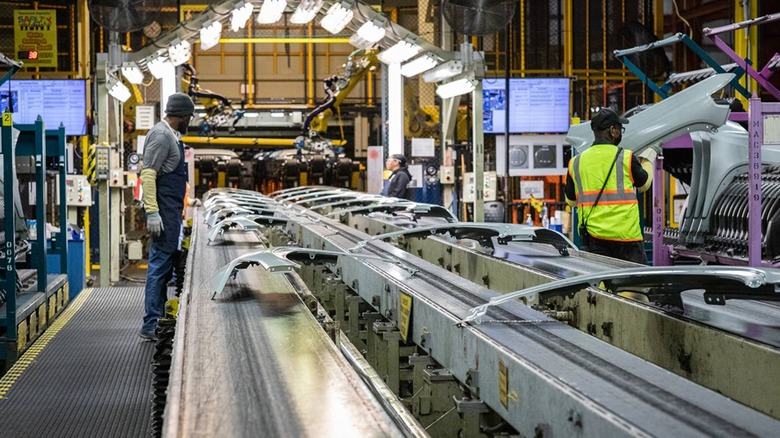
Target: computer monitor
{"x":536,"y":105}
{"x":55,"y":100}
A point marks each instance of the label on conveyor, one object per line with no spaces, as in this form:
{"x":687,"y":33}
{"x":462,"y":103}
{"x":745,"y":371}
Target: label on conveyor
{"x":406,"y":315}
{"x":503,"y":384}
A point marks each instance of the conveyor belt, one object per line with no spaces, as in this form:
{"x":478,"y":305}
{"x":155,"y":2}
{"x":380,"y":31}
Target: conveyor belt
{"x":254,"y":362}
{"x":87,"y":376}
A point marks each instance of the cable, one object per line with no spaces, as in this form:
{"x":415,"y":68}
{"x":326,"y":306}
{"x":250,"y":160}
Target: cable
{"x":677,"y":12}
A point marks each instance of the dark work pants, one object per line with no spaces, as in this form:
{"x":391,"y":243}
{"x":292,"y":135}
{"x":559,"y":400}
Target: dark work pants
{"x":629,"y":251}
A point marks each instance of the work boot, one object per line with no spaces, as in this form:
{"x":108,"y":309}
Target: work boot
{"x":147,"y":335}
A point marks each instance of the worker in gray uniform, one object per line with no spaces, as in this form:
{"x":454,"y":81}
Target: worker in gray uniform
{"x":164,"y":182}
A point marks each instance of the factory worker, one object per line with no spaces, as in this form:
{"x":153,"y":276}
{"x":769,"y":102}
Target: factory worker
{"x":602,"y":182}
{"x":164,"y":181}
{"x":400,"y":177}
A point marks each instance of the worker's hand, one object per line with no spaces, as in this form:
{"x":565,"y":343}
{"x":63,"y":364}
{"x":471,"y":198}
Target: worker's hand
{"x":650,"y":153}
{"x":154,"y":224}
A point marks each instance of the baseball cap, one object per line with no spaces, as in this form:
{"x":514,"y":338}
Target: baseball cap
{"x":605,"y":118}
{"x":400,"y":157}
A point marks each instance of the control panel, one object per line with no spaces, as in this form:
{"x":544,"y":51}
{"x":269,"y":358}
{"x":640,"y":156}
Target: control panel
{"x":78,"y":192}
{"x":447,"y":174}
{"x":489,"y":188}
{"x":102,"y":164}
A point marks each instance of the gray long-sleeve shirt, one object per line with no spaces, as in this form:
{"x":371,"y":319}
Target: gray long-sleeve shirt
{"x":161,"y":150}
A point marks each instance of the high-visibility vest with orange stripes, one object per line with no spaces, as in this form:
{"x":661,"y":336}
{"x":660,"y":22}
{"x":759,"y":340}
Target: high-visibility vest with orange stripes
{"x":616,"y":216}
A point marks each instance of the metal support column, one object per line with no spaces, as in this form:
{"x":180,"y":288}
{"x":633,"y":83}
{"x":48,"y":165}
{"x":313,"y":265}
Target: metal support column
{"x":660,"y":251}
{"x":8,"y":262}
{"x":104,"y":221}
{"x":395,"y":104}
{"x":756,"y":130}
{"x":478,"y":159}
{"x":55,"y":148}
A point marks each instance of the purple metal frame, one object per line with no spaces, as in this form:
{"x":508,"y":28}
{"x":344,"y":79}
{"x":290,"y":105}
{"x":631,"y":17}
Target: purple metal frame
{"x":755,"y":119}
{"x":761,"y":77}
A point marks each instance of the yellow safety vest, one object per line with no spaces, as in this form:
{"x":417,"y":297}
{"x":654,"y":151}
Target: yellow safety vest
{"x":616,"y":216}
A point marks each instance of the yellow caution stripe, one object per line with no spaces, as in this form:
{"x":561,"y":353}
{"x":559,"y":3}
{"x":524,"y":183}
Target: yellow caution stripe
{"x":32,"y":353}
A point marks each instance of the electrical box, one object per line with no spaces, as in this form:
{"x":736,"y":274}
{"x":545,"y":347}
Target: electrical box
{"x":117,"y":178}
{"x":489,"y":188}
{"x":78,"y":192}
{"x":447,"y":174}
{"x":102,"y":165}
{"x":134,"y":250}
{"x":132,"y":179}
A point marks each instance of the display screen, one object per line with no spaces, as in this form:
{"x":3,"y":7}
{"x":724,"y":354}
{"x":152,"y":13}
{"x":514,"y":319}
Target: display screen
{"x":536,"y":105}
{"x":56,"y":101}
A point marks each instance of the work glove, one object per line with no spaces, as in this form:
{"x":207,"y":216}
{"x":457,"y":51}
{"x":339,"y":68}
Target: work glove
{"x":651,"y":153}
{"x":154,"y":224}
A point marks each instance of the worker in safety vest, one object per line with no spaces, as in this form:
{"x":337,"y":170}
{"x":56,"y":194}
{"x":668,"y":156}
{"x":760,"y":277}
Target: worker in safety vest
{"x":602,"y":182}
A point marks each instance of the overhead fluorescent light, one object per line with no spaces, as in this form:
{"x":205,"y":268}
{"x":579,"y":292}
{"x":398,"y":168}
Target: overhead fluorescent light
{"x":240,"y":16}
{"x":457,"y":87}
{"x":271,"y":11}
{"x":372,"y":31}
{"x":179,"y":52}
{"x":159,"y":66}
{"x":399,"y":52}
{"x":418,"y":65}
{"x":337,"y":17}
{"x":445,"y":71}
{"x":118,"y":90}
{"x":132,"y":72}
{"x":251,"y":115}
{"x":210,"y":34}
{"x":360,"y":43}
{"x":277,"y":114}
{"x":306,"y":11}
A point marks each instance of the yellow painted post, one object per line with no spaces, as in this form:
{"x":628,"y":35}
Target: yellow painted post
{"x":310,"y":67}
{"x":84,"y":164}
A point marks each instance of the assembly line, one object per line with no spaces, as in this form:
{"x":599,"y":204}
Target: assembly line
{"x":473,"y":219}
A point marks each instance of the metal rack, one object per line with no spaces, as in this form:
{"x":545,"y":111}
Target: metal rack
{"x":757,"y":110}
{"x":44,"y":146}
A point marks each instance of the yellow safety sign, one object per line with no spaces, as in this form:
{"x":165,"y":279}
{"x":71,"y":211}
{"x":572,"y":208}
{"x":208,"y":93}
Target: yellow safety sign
{"x":406,"y":316}
{"x":8,"y":119}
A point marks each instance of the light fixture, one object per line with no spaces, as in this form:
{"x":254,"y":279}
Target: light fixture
{"x":444,"y":71}
{"x":159,"y":65}
{"x":457,"y":87}
{"x":360,"y":43}
{"x":132,"y":72}
{"x":419,"y":65}
{"x":399,"y":52}
{"x":240,"y":15}
{"x":271,"y":11}
{"x":372,"y":31}
{"x":306,"y":11}
{"x":118,"y":90}
{"x":337,"y":17}
{"x":179,"y":52}
{"x":209,"y":35}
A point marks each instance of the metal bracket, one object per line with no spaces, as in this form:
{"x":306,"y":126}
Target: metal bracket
{"x":726,"y":282}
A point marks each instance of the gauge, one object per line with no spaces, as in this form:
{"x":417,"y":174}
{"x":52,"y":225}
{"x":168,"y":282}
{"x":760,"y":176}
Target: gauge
{"x":431,"y":170}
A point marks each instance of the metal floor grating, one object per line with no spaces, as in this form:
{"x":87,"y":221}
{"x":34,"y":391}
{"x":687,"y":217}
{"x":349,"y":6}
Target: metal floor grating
{"x":92,"y":379}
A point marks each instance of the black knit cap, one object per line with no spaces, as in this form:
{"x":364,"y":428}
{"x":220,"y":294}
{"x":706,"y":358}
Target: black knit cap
{"x":605,"y":118}
{"x":400,"y":157}
{"x":179,"y":105}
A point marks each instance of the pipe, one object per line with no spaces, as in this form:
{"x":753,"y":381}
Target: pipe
{"x":244,"y":141}
{"x":282,"y":40}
